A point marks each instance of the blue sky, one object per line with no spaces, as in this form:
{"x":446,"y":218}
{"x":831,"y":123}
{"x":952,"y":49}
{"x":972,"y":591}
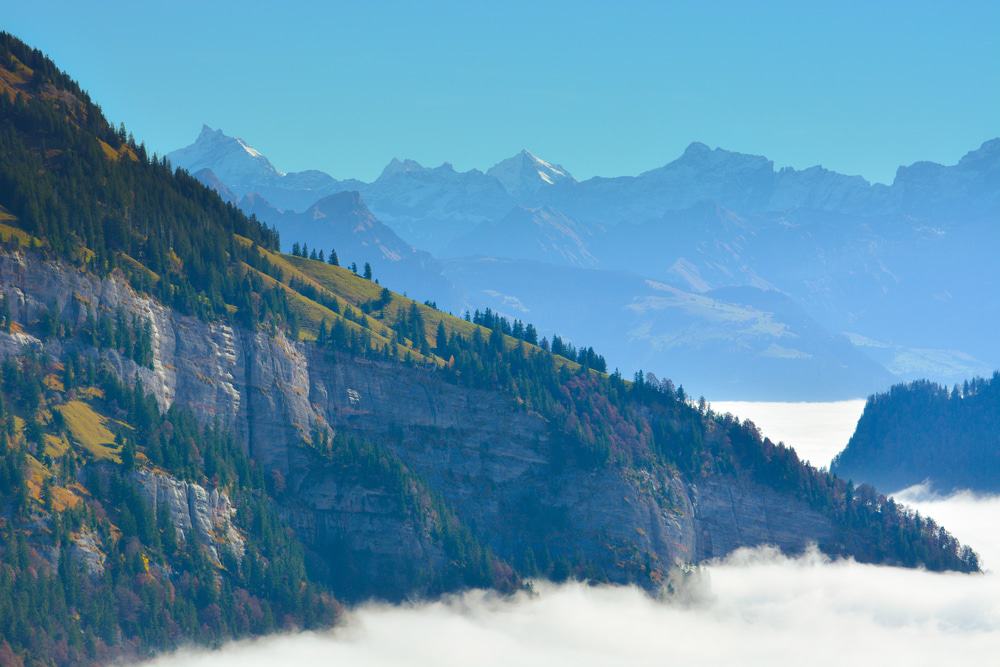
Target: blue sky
{"x":603,"y":88}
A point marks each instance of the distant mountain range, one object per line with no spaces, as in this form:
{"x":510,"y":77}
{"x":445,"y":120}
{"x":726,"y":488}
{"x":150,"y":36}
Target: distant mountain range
{"x":341,"y":221}
{"x":885,"y":271}
{"x":245,"y":171}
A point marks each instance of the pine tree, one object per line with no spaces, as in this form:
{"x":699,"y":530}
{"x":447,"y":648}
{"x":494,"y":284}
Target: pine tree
{"x":441,"y":339}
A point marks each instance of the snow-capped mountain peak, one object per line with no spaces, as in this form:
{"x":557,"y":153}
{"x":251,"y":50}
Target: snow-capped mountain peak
{"x":526,"y":173}
{"x":238,"y":164}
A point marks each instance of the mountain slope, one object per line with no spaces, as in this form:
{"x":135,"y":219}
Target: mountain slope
{"x":540,"y":234}
{"x":342,"y":222}
{"x":922,"y":432}
{"x":208,"y":439}
{"x":208,"y":178}
{"x":695,"y":250}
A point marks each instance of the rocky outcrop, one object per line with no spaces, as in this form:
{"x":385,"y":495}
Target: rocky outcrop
{"x":196,"y":513}
{"x":86,"y":549}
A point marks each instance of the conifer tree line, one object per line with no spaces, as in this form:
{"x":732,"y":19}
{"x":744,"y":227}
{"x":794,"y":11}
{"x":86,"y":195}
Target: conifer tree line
{"x":922,"y":431}
{"x":141,"y":210}
{"x":153,"y":588}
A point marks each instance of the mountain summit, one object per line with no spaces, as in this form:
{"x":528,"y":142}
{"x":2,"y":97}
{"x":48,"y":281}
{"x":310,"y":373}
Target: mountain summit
{"x":526,"y":173}
{"x":244,"y":170}
{"x":231,"y":159}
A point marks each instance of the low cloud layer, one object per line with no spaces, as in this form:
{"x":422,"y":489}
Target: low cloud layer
{"x":970,"y":517}
{"x":818,"y":431}
{"x":755,"y":608}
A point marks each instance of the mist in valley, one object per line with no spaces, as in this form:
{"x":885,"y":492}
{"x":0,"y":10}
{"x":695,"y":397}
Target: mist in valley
{"x":756,"y":607}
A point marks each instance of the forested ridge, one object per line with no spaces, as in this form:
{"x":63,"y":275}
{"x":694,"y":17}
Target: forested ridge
{"x":922,"y":431}
{"x":91,"y":569}
{"x":90,"y":194}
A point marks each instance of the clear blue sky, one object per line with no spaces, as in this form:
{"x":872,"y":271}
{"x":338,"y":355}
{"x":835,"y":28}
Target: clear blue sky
{"x":604,"y":88}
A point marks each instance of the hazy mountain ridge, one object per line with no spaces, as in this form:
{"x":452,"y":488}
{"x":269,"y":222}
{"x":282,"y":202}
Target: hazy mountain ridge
{"x":245,"y":170}
{"x":429,"y":206}
{"x":342,"y":222}
{"x":859,"y":257}
{"x":733,"y":340}
{"x":541,"y":234}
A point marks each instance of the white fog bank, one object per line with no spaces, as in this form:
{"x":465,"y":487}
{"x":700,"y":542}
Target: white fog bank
{"x":817,"y":431}
{"x":974,"y":519}
{"x":757,"y":608}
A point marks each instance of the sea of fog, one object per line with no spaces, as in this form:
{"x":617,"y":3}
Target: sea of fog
{"x":756,"y":607}
{"x":818,"y":431}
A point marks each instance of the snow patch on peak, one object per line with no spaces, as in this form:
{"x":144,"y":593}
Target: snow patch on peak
{"x":251,"y":151}
{"x":238,"y":164}
{"x":526,"y":173}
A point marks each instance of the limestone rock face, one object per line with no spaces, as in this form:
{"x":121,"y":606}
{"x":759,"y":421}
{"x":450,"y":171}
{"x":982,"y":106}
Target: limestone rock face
{"x":488,"y":459}
{"x":86,"y":548}
{"x":196,"y":513}
{"x":731,"y":513}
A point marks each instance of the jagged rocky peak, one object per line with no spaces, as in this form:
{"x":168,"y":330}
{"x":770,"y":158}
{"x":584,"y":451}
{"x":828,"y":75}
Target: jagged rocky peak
{"x":231,"y":159}
{"x":341,"y":205}
{"x":397,"y":166}
{"x":984,"y":159}
{"x":525,"y":173}
{"x":408,"y":167}
{"x":700,"y":156}
{"x":990,"y":150}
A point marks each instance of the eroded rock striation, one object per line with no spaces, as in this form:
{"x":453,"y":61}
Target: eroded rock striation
{"x":490,"y":461}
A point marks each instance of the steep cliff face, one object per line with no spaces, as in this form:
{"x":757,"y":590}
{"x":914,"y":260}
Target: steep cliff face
{"x":495,"y":464}
{"x":490,"y":460}
{"x":731,"y":513}
{"x":198,"y":514}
